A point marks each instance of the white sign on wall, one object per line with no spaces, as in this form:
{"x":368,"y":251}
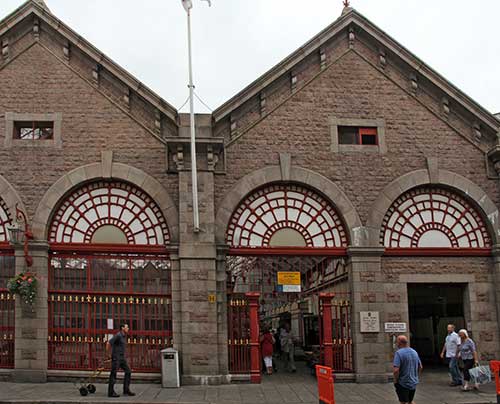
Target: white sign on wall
{"x":395,"y":327}
{"x":370,"y":321}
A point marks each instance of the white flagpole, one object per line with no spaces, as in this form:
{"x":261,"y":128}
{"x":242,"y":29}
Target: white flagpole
{"x":194,"y":172}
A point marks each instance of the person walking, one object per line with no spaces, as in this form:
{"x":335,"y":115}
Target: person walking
{"x":266,"y":344}
{"x":450,"y":350}
{"x":406,"y":369}
{"x":287,"y":348}
{"x":117,"y":345}
{"x":468,"y":352}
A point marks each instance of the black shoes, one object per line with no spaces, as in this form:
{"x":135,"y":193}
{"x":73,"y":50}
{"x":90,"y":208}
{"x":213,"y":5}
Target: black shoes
{"x":113,"y":394}
{"x":128,"y":393}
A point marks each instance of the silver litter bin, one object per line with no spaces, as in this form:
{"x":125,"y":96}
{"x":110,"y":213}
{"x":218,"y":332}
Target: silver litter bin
{"x":170,"y":377}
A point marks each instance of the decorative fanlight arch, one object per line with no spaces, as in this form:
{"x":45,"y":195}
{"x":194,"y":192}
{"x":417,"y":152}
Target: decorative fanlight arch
{"x":4,"y":221}
{"x":280,"y":214}
{"x":105,"y":209}
{"x":433,"y":217}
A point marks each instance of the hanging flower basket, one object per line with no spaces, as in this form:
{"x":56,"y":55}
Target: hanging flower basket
{"x":24,"y":285}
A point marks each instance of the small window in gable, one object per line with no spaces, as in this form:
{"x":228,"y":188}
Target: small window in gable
{"x":34,"y":130}
{"x":357,"y":135}
{"x":352,"y":135}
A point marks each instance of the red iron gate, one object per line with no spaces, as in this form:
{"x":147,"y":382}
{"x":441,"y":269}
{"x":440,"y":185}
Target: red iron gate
{"x":335,"y":333}
{"x":90,"y":296}
{"x":7,"y":314}
{"x":243,"y":335}
{"x":238,"y":321}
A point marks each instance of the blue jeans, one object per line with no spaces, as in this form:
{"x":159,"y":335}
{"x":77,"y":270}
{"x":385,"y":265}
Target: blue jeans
{"x":456,"y":377}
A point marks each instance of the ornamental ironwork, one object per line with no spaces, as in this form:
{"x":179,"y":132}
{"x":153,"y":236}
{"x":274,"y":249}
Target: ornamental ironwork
{"x":4,"y":221}
{"x":433,"y":217}
{"x":276,"y":213}
{"x":118,"y":209}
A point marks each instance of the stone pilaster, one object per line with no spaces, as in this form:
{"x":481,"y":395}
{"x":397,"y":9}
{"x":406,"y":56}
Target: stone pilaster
{"x":199,"y":281}
{"x":371,"y":350}
{"x":176,"y":297}
{"x":31,"y":323}
{"x":222,"y":310}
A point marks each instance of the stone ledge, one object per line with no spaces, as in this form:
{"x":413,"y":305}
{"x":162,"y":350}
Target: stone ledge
{"x":29,"y":376}
{"x":203,"y":380}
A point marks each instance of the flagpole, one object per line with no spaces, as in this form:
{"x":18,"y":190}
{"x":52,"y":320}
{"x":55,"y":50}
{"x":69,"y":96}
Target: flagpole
{"x":194,"y":172}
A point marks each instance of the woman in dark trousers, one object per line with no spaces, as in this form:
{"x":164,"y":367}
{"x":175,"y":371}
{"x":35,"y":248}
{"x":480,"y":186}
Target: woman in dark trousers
{"x":468,"y":352}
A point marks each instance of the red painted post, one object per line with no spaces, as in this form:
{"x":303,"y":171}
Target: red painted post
{"x":495,"y":367}
{"x":326,"y":304}
{"x":253,"y":302}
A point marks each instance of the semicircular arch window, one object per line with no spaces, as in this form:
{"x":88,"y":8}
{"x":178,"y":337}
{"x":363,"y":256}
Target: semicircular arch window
{"x":286,"y":215}
{"x":4,"y":221}
{"x":433,"y":217}
{"x":109,"y":212}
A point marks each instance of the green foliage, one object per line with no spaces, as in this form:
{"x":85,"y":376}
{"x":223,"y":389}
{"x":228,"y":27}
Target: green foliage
{"x":24,"y":285}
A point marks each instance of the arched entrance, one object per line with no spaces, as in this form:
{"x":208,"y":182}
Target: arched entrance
{"x":108,"y":265}
{"x":287,"y":246}
{"x":435,"y":229}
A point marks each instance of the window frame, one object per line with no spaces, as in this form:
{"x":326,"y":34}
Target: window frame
{"x":365,"y":127}
{"x":10,"y":127}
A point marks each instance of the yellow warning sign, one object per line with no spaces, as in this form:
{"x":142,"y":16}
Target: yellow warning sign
{"x":288,"y":278}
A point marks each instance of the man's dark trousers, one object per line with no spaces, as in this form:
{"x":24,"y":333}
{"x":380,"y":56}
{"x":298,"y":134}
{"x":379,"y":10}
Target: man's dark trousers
{"x":119,"y":363}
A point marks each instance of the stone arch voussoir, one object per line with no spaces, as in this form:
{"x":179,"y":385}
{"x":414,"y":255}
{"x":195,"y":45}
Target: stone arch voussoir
{"x":10,"y":197}
{"x":93,"y":172}
{"x":421,"y":177}
{"x":308,"y":178}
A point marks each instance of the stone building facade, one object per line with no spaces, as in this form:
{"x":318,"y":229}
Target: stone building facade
{"x":372,"y":142}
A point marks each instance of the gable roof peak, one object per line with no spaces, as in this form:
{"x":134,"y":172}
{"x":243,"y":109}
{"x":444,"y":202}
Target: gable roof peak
{"x":41,"y":3}
{"x":346,"y":10}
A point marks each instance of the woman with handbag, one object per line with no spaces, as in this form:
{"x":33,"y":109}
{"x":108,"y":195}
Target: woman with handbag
{"x":468,"y":353}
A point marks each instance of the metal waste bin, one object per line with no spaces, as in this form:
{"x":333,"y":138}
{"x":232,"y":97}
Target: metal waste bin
{"x":170,"y":377}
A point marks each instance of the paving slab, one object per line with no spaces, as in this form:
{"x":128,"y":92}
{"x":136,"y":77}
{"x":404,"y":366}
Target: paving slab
{"x":278,"y":388}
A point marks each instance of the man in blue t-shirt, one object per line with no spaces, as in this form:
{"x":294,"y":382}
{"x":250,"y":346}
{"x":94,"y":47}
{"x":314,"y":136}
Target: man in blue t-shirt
{"x":406,"y":368}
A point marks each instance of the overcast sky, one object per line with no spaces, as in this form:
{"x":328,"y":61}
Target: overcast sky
{"x":236,"y":41}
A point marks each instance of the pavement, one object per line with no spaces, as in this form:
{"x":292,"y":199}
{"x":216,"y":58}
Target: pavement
{"x":278,"y":388}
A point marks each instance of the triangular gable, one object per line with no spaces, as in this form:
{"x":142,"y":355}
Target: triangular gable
{"x":349,"y":18}
{"x":40,"y":9}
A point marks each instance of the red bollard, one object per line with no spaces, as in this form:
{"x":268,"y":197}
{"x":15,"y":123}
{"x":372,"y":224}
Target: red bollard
{"x":324,"y":375}
{"x":495,"y":367}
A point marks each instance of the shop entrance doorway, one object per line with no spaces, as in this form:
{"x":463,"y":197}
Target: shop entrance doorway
{"x":431,"y":308}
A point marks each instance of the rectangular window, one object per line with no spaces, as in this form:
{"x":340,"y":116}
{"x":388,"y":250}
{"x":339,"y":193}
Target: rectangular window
{"x":34,"y":130}
{"x":355,"y":135}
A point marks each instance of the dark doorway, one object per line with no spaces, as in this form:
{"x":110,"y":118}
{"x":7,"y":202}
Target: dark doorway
{"x":431,"y":308}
